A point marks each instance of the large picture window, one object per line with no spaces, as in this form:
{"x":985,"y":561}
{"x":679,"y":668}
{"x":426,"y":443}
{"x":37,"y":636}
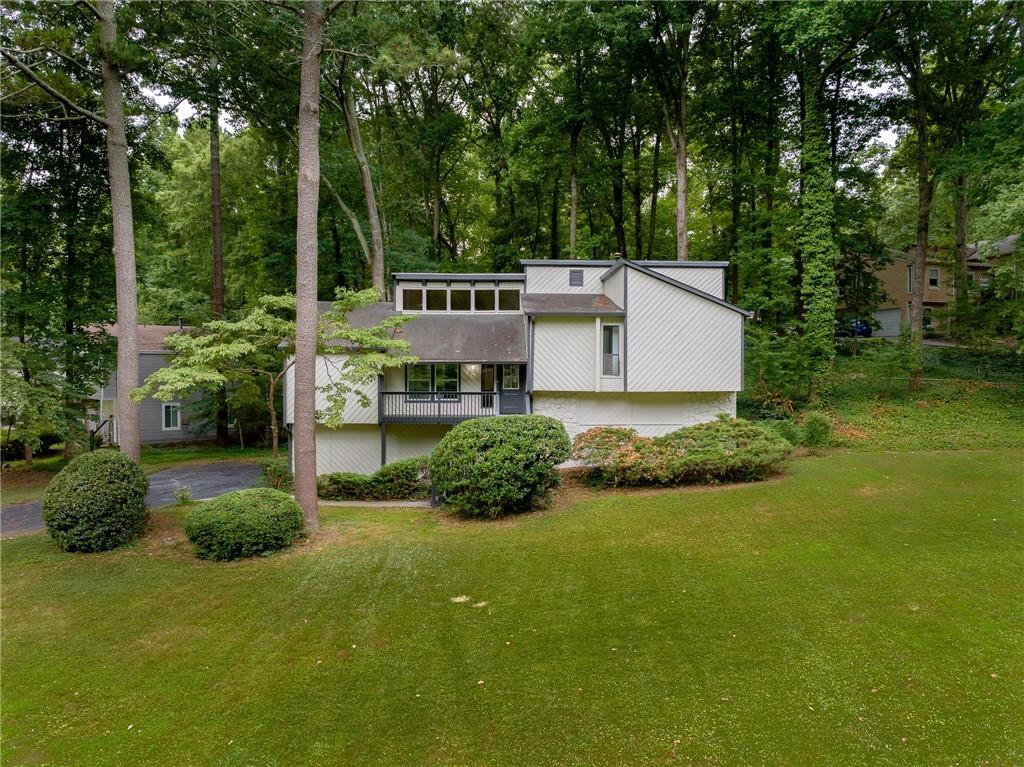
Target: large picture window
{"x":610,"y":350}
{"x":446,"y":380}
{"x":417,"y":381}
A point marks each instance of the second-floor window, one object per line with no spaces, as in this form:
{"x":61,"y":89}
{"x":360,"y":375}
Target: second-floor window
{"x":933,"y":278}
{"x":456,"y":299}
{"x":426,"y":381}
{"x":610,"y":350}
{"x":910,"y":278}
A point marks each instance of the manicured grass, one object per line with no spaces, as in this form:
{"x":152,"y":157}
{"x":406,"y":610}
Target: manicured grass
{"x":864,"y":610}
{"x":26,"y":482}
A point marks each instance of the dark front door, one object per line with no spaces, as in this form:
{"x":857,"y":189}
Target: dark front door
{"x":512,"y":384}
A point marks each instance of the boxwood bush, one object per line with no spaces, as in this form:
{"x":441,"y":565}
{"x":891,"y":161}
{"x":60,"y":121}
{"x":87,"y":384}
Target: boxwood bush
{"x":488,"y":467}
{"x":97,"y":502}
{"x":817,"y":429}
{"x":244,"y":523}
{"x":730,"y":450}
{"x":397,"y":481}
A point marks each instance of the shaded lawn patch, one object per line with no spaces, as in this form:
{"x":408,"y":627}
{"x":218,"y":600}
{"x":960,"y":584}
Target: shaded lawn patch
{"x":865,"y":609}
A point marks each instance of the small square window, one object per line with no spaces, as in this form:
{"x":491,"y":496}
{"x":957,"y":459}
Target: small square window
{"x":484,"y":298}
{"x":460,"y":300}
{"x":576,"y":278}
{"x":508,"y":300}
{"x":437,"y":300}
{"x":172,"y":416}
{"x":412,"y":298}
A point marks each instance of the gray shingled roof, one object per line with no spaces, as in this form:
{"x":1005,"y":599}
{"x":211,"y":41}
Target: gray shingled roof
{"x":569,"y":303}
{"x":453,"y":337}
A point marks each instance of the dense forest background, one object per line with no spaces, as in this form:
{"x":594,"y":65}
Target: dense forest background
{"x":809,"y":141}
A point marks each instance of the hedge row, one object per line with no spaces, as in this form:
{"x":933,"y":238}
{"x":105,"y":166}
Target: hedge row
{"x":727,"y":450}
{"x":397,"y":481}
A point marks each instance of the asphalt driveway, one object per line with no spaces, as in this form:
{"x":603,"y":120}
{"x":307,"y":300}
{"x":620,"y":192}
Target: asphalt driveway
{"x":206,"y":480}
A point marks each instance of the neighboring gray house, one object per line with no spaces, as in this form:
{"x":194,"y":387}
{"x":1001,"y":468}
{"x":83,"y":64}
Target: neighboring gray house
{"x":158,"y":421}
{"x":649,"y":344}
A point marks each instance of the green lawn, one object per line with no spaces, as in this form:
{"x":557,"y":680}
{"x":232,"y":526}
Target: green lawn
{"x":866,"y":609}
{"x":26,"y":482}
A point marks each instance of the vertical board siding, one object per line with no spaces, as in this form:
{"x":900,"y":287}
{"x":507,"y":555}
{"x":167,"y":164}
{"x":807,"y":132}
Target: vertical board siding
{"x":555,"y":279}
{"x":681,"y":342}
{"x":564,"y":354}
{"x":703,"y":278}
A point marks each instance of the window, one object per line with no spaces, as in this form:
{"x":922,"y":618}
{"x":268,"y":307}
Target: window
{"x":484,"y":298}
{"x":510,"y":377}
{"x":460,"y":300}
{"x":446,"y":380}
{"x":910,"y":278}
{"x":172,"y":416}
{"x":417,"y":381}
{"x":927,"y":318}
{"x":576,"y":278}
{"x":437,"y":300}
{"x":412,"y":298}
{"x":610,"y":350}
{"x":508,"y":300}
{"x":487,"y":386}
{"x":985,"y":281}
{"x":933,"y":277}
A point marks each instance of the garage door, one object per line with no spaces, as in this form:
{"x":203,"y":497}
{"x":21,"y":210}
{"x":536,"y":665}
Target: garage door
{"x":889,"y":319}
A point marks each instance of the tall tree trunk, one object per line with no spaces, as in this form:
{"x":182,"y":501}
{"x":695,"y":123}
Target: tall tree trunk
{"x":218,"y":249}
{"x":618,"y":211}
{"x":372,"y":213}
{"x":306,"y":314}
{"x":555,"y":193}
{"x":124,"y":235}
{"x":682,"y":217}
{"x":637,"y":192}
{"x":960,"y":255}
{"x":652,"y":225}
{"x":574,"y":147}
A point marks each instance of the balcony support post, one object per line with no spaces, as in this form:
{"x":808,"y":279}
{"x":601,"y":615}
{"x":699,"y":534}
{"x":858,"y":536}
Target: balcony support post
{"x":383,"y":444}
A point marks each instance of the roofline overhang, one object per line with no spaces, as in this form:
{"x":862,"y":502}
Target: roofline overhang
{"x":610,"y":262}
{"x":458,"y":277}
{"x":580,"y":313}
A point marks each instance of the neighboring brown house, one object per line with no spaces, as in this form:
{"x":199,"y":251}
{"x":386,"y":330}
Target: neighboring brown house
{"x":938,"y":286}
{"x":158,"y":421}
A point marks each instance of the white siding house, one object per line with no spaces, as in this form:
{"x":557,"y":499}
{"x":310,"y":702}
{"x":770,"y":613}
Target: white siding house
{"x":647,"y":344}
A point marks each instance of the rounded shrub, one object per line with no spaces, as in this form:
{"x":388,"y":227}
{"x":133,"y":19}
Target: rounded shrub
{"x":243,"y":523}
{"x":97,"y":502}
{"x":594,"y":446}
{"x":817,"y":430}
{"x":489,"y":467}
{"x":398,"y":481}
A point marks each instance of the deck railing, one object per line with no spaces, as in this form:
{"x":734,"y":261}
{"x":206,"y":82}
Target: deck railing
{"x":435,"y":407}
